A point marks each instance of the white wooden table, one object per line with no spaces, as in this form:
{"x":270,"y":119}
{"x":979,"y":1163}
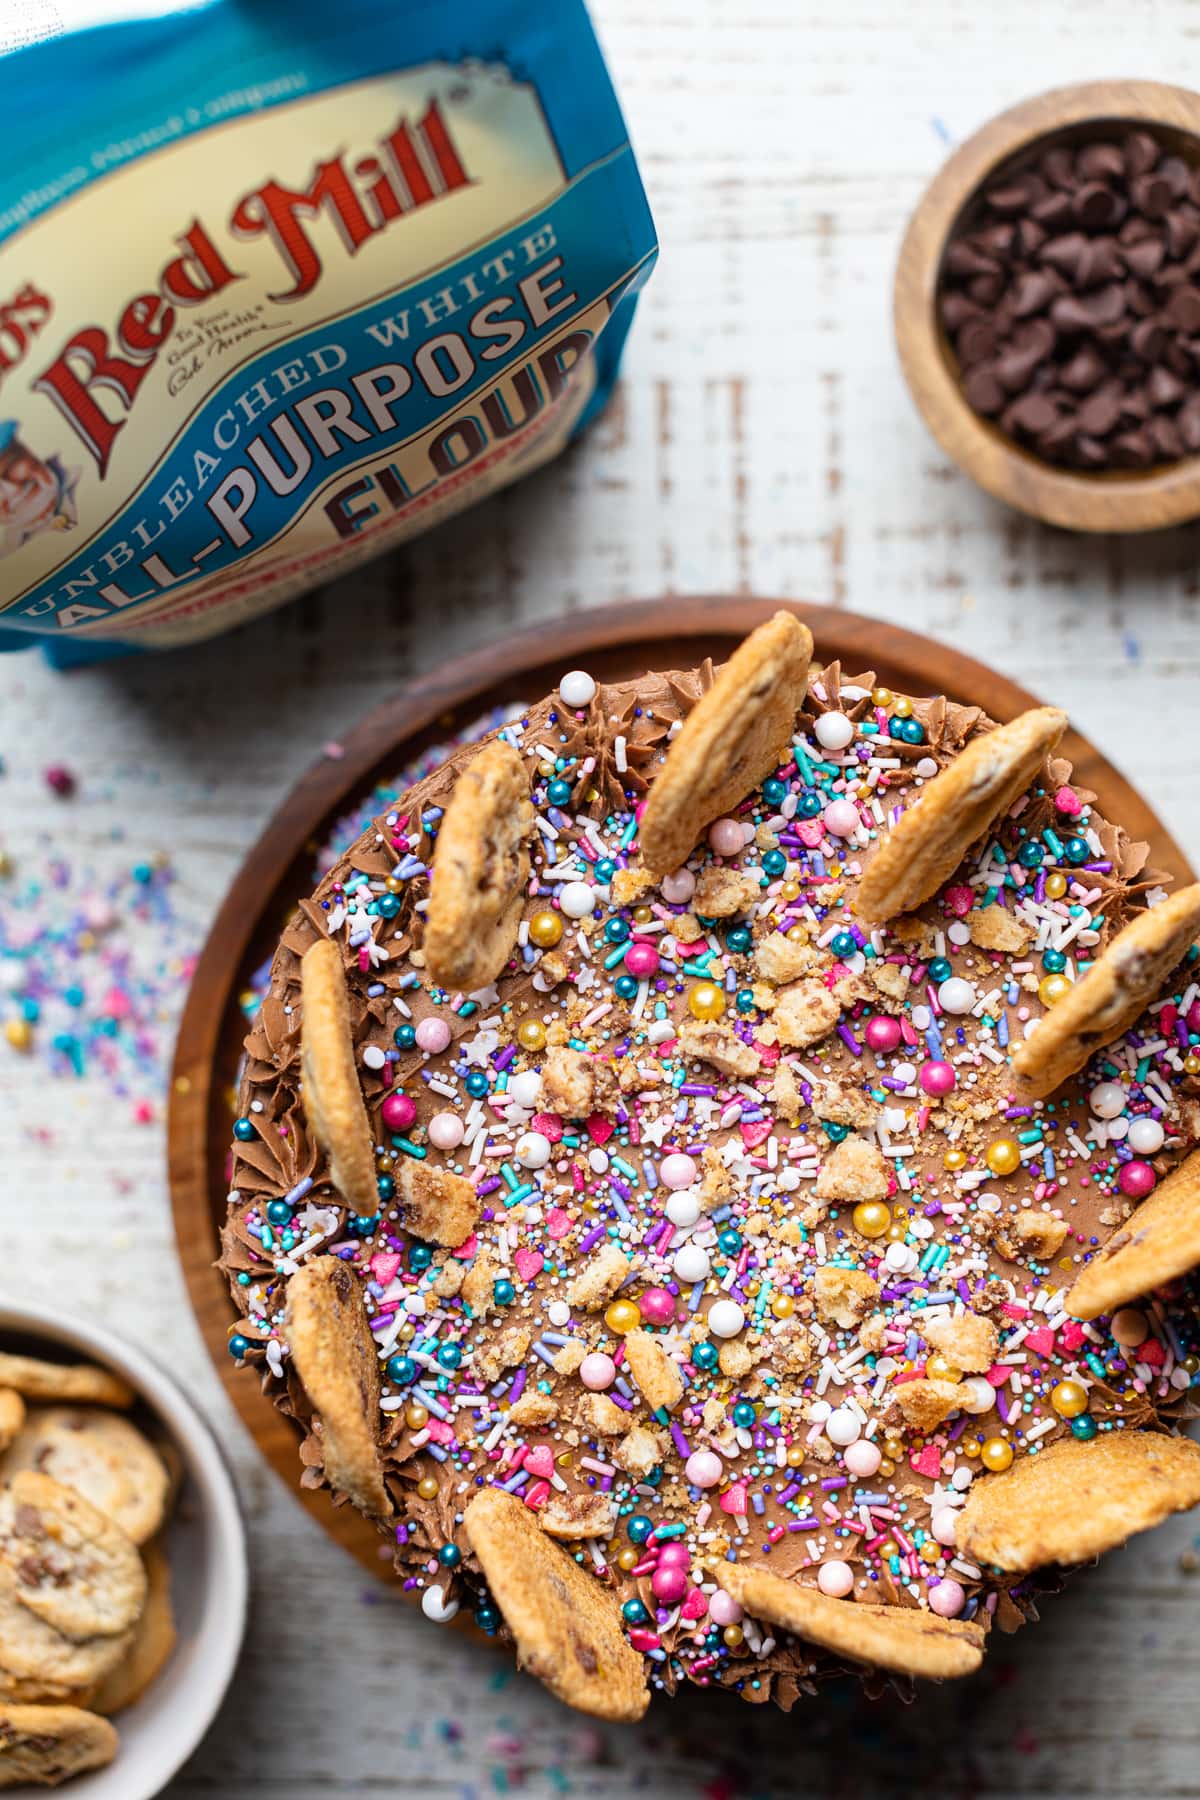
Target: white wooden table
{"x":761,"y":440}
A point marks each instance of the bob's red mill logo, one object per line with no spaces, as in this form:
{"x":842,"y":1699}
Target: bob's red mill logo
{"x":411,"y":167}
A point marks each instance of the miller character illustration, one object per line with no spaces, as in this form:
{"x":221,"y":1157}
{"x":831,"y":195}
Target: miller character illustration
{"x":36,"y":494}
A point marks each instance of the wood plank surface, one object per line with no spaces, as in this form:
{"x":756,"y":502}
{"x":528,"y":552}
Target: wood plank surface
{"x":761,"y":440}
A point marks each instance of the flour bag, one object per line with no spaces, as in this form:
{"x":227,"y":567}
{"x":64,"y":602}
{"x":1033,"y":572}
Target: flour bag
{"x":282,"y":284}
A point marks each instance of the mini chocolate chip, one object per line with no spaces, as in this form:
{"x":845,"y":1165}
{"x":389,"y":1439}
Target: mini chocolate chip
{"x":1175,"y":172}
{"x":1033,"y":413}
{"x":983,"y":392}
{"x":987,"y":289}
{"x":1100,"y":412}
{"x":1095,"y":205}
{"x":1057,"y":166}
{"x":1183,"y":309}
{"x":1079,"y":312}
{"x":1149,"y":339}
{"x":976,"y":342}
{"x":1139,"y":299}
{"x":1165,"y":436}
{"x":1091,"y":451}
{"x":1133,"y":449}
{"x":1085,"y":369}
{"x":1055,"y":211}
{"x":1111,"y":337}
{"x":1032,"y":292}
{"x":1183,"y":232}
{"x":1015,"y":369}
{"x":957,"y":309}
{"x":1100,"y":162}
{"x":1099,"y":261}
{"x":1145,"y":257}
{"x":1152,"y":195}
{"x":1188,"y":421}
{"x":1141,"y":152}
{"x":1058,"y":440}
{"x":1010,"y":199}
{"x":1164,"y":388}
{"x":997,"y":240}
{"x":965,"y":258}
{"x":1135,"y":406}
{"x":1028,"y":237}
{"x":1136,"y":230}
{"x":1177,"y":359}
{"x":1063,"y":253}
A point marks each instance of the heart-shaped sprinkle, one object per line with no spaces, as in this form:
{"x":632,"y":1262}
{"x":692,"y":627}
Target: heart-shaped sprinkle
{"x":695,"y":1605}
{"x":927,"y":1462}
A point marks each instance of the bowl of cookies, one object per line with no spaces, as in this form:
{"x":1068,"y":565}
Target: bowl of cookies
{"x":123,"y":1576}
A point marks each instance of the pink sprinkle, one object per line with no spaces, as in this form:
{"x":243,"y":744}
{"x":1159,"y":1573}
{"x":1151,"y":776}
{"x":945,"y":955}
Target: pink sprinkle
{"x":927,"y":1462}
{"x":540,"y":1461}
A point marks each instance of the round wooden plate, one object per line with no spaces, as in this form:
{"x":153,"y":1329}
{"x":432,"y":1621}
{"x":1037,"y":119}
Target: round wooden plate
{"x":613,"y":643}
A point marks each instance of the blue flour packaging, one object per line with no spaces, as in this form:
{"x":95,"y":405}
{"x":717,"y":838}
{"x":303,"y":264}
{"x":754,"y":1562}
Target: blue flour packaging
{"x":283,"y":284}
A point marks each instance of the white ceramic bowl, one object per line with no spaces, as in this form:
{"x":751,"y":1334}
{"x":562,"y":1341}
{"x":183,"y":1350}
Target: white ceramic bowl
{"x":206,"y":1546}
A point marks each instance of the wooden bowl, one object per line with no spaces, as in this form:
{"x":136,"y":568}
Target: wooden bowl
{"x":613,"y":643}
{"x":1123,"y":500}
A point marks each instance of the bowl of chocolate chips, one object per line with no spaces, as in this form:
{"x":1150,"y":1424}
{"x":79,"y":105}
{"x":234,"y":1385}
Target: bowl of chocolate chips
{"x":1047,"y":306}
